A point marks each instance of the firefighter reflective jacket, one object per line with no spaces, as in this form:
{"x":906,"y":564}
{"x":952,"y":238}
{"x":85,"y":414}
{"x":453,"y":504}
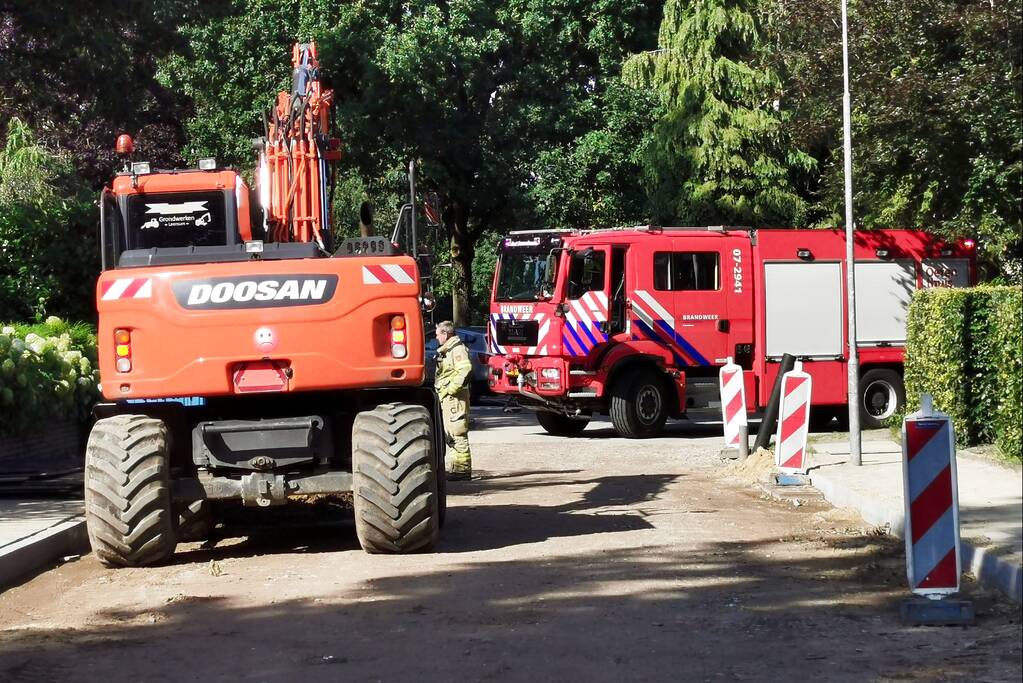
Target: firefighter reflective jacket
{"x":453,"y":367}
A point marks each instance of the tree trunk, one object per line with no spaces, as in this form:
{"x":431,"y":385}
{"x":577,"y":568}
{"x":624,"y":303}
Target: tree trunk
{"x":463,"y":249}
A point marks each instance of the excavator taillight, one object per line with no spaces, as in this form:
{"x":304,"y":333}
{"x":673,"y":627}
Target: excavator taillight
{"x":122,"y":349}
{"x":398,"y":347}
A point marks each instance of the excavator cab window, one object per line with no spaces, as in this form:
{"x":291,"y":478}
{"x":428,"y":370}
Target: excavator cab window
{"x":111,"y":230}
{"x":180,"y":219}
{"x":168,"y":220}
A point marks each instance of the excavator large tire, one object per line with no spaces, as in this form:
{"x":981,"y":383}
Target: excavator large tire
{"x":397,"y":505}
{"x":127,"y":491}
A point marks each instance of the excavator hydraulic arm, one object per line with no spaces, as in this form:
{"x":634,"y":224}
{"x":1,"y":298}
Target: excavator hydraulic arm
{"x":297,"y":157}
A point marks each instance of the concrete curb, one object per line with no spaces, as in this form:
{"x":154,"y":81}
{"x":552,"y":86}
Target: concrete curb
{"x":990,"y":570}
{"x":24,"y":558}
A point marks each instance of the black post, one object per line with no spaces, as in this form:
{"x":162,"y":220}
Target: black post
{"x":770,"y":419}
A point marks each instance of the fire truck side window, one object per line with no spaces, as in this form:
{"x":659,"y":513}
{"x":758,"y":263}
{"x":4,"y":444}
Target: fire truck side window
{"x":686,"y":271}
{"x":586,"y":274}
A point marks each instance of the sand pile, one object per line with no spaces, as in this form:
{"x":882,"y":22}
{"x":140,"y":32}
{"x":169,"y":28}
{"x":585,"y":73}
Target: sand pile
{"x":757,"y":467}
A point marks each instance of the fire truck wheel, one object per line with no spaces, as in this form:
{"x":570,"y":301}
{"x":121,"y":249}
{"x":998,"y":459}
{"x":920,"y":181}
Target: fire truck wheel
{"x":395,"y":487}
{"x":561,"y":425}
{"x":639,"y":404}
{"x":882,"y":394}
{"x":127,"y":491}
{"x":195,"y":520}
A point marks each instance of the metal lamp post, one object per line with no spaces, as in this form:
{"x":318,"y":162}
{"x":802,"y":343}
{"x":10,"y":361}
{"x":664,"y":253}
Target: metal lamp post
{"x":855,"y":456}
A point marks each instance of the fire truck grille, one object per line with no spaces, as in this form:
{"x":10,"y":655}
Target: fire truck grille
{"x":517,"y":332}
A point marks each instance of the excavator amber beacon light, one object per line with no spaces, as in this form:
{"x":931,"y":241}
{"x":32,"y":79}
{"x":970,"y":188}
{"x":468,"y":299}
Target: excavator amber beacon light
{"x":125,"y":145}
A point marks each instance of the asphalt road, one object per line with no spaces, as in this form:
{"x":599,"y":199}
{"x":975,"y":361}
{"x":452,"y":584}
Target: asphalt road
{"x":588,"y":559}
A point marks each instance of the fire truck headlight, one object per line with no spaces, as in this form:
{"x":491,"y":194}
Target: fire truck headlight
{"x":551,"y":373}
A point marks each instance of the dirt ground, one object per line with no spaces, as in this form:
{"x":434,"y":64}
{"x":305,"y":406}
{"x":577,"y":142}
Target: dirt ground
{"x":589,"y":559}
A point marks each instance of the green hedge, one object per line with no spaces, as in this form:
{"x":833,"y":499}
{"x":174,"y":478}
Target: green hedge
{"x":48,"y":371}
{"x":965,"y":348}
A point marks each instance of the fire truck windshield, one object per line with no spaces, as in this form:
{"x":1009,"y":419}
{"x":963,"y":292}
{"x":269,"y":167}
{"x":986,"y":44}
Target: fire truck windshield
{"x":526,"y":276}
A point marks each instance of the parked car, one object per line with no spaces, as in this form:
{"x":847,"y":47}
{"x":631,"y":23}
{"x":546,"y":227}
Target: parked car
{"x":475,"y":339}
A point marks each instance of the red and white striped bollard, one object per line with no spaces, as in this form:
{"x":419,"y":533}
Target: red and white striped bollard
{"x":793,"y":421}
{"x":933,"y":561}
{"x":733,"y":405}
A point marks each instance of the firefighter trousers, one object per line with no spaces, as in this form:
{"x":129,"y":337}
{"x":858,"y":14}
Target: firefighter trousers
{"x":456,"y":431}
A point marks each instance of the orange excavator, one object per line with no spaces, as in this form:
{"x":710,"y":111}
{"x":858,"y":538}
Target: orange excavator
{"x":246,"y":358}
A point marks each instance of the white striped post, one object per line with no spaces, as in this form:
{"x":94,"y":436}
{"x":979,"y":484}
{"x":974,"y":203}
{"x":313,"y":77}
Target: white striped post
{"x":932,"y":502}
{"x":733,"y":404}
{"x":793,"y":421}
{"x":933,"y":560}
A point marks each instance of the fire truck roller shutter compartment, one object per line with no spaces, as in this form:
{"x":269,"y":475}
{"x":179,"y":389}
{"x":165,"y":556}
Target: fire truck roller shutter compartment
{"x":883,"y":293}
{"x":802,"y":316}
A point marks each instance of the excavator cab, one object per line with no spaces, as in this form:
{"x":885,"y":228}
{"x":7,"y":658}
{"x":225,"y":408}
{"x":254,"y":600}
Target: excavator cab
{"x":175,"y":209}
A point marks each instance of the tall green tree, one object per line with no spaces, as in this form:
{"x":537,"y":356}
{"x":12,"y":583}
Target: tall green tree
{"x":720,"y":152}
{"x":475,"y":90}
{"x":596,"y":179}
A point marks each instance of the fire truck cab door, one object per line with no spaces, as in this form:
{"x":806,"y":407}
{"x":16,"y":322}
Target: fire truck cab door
{"x":690,"y":276}
{"x":586,"y":300}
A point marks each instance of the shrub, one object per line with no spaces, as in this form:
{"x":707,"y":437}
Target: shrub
{"x":1006,"y":338}
{"x":48,"y":371}
{"x":48,"y":254}
{"x":936,"y":334}
{"x":963,"y":347}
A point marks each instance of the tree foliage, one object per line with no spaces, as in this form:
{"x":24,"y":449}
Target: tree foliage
{"x":476,"y":90}
{"x":596,"y":180}
{"x":937,"y":89}
{"x":518,"y":116}
{"x":48,"y":256}
{"x":80,"y":73}
{"x":721,"y":152}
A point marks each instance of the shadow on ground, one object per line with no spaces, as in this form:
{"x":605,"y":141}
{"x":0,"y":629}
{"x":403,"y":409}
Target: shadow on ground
{"x":724,"y":612}
{"x":604,"y":507}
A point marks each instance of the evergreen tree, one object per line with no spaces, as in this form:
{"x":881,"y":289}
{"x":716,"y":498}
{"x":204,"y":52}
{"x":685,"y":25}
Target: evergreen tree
{"x":719,"y":154}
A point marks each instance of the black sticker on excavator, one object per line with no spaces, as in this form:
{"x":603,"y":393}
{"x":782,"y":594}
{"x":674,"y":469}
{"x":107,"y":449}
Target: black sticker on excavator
{"x":255,"y":292}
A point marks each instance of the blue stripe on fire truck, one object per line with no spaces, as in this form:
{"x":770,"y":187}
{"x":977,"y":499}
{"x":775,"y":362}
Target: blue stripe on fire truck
{"x":653,"y":336}
{"x":686,"y":346}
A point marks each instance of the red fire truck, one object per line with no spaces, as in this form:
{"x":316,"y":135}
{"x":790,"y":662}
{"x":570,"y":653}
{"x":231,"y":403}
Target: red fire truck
{"x":634,"y":323}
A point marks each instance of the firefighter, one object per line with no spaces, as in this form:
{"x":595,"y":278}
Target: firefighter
{"x":454,"y":370}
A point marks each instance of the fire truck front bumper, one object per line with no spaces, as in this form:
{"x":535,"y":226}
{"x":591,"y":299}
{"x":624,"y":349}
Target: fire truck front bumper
{"x":543,"y":376}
